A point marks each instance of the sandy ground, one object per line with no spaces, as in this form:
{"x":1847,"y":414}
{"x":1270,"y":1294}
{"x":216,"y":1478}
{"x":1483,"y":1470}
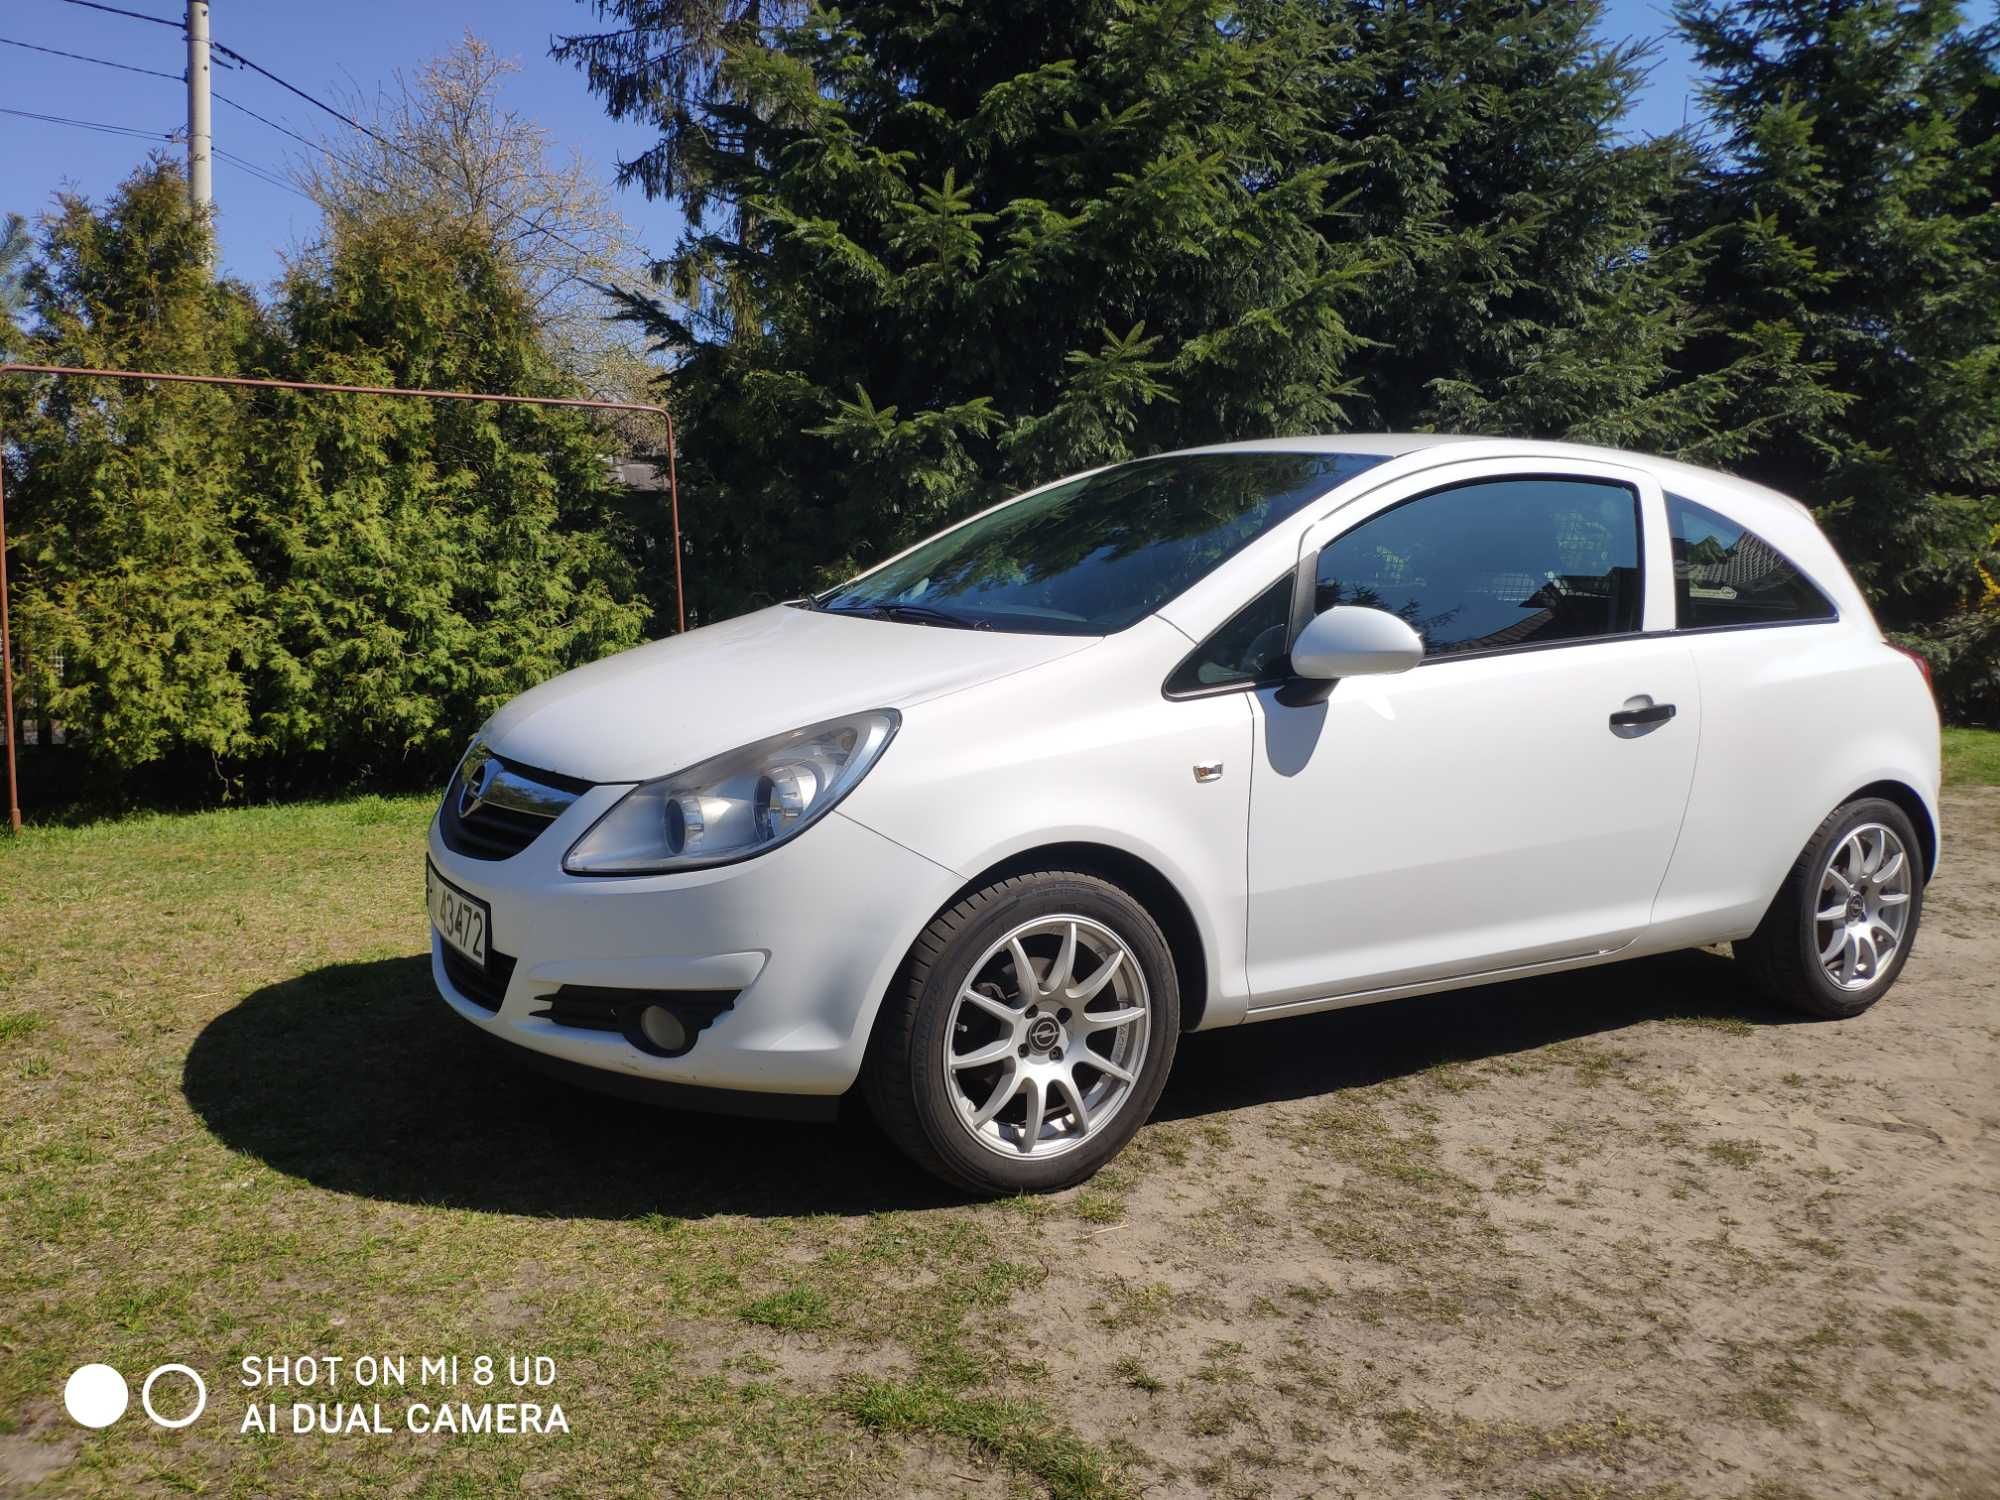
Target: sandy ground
{"x":1623,"y":1232}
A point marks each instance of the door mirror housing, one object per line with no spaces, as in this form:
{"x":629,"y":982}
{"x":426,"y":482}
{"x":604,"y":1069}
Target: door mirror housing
{"x":1351,"y":640}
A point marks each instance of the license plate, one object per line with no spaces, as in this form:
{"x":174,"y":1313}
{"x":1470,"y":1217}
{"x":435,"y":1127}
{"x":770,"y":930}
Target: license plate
{"x":461,"y":920}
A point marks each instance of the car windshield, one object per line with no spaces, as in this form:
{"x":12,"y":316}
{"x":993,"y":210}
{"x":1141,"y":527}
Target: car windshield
{"x":1099,"y":553}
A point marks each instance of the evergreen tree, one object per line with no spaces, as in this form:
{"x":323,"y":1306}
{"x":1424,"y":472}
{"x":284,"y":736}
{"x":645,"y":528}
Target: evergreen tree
{"x":1524,"y":283}
{"x":292,"y":587}
{"x":17,"y":247}
{"x":137,"y":615}
{"x":442,"y":147}
{"x":1850,"y":190}
{"x":426,"y":560}
{"x":940,"y":250}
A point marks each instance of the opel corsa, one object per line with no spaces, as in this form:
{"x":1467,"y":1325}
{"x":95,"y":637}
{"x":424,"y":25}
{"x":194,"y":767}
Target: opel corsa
{"x":1227,"y":735}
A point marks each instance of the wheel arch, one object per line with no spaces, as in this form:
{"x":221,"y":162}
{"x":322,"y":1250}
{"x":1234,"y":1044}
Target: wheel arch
{"x":1889,"y":789}
{"x":1914,"y":807}
{"x":1138,"y":877}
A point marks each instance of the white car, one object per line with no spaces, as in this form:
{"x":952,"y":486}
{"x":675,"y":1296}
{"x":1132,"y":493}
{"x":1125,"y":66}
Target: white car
{"x":1226,"y":735}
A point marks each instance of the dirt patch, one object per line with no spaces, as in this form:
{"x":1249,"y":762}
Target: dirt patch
{"x":1621,"y":1233}
{"x":37,"y":1453}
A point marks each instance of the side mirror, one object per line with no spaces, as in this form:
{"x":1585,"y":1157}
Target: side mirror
{"x":1350,"y":640}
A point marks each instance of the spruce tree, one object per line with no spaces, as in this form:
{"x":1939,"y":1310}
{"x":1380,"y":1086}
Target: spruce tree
{"x":940,"y":250}
{"x":1525,"y":283}
{"x":1849,"y":186}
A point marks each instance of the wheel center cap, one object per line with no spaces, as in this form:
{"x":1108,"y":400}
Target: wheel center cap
{"x":1044,"y":1033}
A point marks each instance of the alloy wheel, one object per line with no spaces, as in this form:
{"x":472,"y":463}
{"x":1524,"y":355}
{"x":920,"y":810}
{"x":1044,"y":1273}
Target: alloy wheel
{"x":1863,"y":906}
{"x":1047,"y":1036}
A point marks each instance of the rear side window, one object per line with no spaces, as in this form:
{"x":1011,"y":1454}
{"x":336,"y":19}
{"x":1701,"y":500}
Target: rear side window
{"x":1496,"y":564}
{"x":1726,"y":574}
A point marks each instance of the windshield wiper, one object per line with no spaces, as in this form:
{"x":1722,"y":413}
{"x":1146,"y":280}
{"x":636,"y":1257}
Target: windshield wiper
{"x":914,"y":614}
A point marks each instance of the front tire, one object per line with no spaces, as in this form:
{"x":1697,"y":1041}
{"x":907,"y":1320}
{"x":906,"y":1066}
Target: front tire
{"x":1028,"y":1036}
{"x":1843,"y":923}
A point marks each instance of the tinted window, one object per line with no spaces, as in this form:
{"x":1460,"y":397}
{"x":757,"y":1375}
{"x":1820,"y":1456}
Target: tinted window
{"x":1249,"y":648}
{"x":1096,"y":554}
{"x":1480,"y":567}
{"x":1726,"y":575}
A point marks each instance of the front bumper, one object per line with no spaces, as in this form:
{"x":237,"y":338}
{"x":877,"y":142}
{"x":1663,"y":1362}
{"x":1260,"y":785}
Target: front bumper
{"x":809,"y":936}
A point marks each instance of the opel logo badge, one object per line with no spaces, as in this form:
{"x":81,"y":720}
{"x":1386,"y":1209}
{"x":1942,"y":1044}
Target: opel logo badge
{"x":1044,"y":1033}
{"x":479,"y":777}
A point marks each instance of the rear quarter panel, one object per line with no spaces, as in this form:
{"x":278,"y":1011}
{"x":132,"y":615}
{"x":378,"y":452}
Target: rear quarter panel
{"x":1794,"y":720}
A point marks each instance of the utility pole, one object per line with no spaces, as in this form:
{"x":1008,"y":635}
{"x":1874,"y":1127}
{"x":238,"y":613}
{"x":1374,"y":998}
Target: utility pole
{"x":201,"y":183}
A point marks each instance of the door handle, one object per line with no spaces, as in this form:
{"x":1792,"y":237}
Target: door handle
{"x":1628,"y":718}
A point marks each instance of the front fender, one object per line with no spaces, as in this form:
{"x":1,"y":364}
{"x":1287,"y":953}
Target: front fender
{"x":979,"y":778}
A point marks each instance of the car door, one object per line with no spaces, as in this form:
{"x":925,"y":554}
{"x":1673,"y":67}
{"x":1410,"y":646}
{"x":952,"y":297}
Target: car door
{"x":1515,"y":798}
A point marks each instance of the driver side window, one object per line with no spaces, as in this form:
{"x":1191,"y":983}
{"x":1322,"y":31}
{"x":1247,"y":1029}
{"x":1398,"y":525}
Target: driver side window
{"x":1496,"y":564}
{"x":1487,"y":566}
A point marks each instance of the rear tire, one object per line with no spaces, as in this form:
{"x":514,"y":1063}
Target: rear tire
{"x":1842,"y":925}
{"x":968,"y":1059}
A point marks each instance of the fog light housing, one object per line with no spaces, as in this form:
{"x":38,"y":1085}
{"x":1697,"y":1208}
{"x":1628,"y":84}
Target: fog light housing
{"x":660,"y":1031}
{"x":660,"y":1023}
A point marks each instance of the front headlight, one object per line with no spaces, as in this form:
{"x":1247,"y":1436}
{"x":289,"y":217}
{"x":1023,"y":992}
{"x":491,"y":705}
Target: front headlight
{"x":737,"y":805}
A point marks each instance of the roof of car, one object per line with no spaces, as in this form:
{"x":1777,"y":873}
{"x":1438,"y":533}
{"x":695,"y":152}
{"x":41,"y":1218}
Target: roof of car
{"x":1671,"y":472}
{"x":1387,"y":444}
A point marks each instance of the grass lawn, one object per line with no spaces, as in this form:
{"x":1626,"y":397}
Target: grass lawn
{"x":239,"y":1123}
{"x":1972,"y":757}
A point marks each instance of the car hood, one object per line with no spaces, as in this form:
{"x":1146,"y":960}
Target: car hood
{"x":663,"y":706}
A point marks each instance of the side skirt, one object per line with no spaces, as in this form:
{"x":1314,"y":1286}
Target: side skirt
{"x":1633,"y":949}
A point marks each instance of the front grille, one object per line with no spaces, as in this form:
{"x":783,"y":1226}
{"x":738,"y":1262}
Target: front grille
{"x":491,"y":832}
{"x":513,"y":816}
{"x":486,"y":987}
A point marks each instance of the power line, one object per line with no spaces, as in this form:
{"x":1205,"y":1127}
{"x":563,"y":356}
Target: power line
{"x":266,"y":120}
{"x":345,"y":119}
{"x":262,"y":174}
{"x":91,"y":125}
{"x":341,"y":115}
{"x":393,"y":145}
{"x":102,"y":62}
{"x":135,"y":15}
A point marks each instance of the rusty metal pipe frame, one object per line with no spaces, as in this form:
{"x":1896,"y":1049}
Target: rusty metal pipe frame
{"x":6,"y":636}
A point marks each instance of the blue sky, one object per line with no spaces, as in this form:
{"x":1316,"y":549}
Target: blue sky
{"x":348,"y":48}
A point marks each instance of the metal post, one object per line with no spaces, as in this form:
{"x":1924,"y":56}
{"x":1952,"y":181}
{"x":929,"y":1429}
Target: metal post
{"x":665,"y":416}
{"x":674,"y":501}
{"x":201,"y":182}
{"x":7,"y":663}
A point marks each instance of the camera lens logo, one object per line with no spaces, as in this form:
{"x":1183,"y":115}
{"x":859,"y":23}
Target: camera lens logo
{"x":96,"y":1395}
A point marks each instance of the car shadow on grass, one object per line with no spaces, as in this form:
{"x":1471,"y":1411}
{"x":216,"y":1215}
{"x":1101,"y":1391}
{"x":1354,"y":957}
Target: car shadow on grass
{"x":358,"y":1079}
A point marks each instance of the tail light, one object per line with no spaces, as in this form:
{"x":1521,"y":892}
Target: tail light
{"x":1922,"y":665}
